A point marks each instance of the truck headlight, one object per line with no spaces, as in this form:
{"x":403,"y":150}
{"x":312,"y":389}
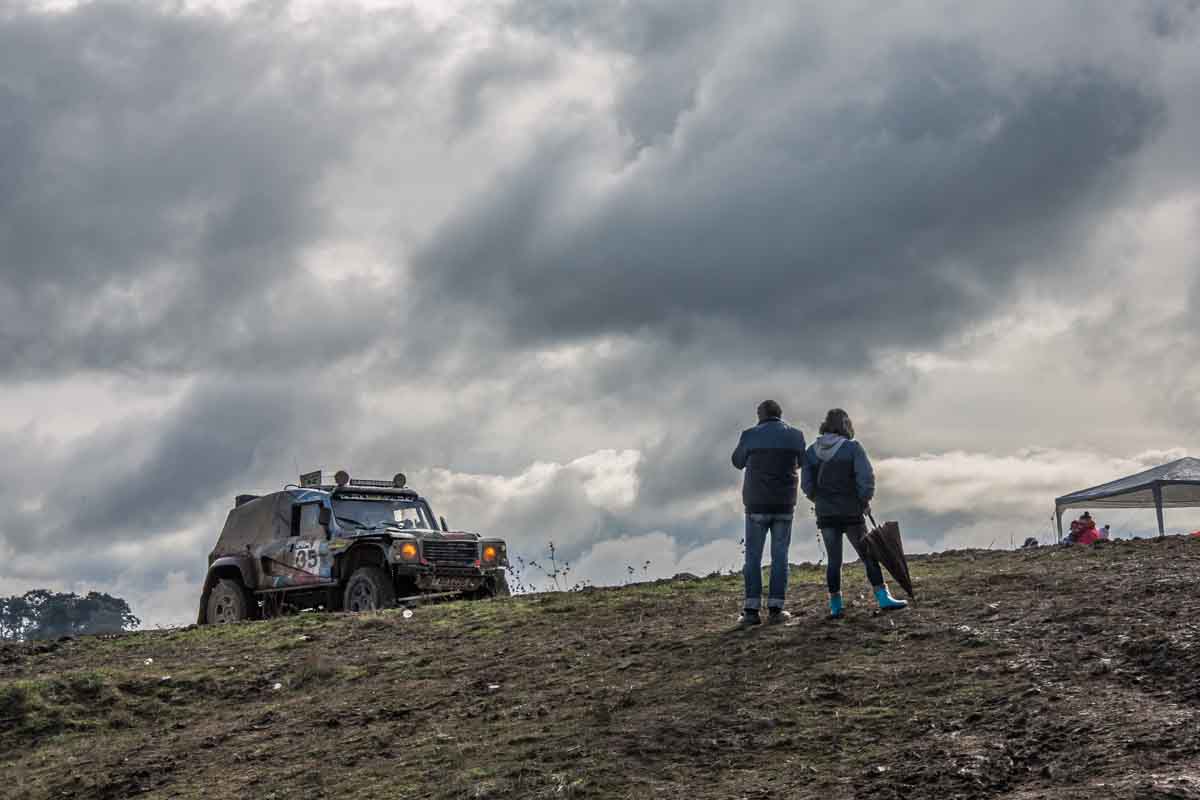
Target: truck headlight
{"x":489,"y":553}
{"x":408,"y":551}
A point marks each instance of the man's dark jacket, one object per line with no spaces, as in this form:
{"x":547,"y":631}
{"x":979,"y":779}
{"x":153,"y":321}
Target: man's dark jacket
{"x":770,"y":452}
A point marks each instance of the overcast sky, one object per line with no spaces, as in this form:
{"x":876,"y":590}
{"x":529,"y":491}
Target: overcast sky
{"x":547,"y":256}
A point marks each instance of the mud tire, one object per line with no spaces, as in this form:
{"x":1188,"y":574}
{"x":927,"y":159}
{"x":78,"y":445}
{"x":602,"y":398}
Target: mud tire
{"x":369,"y":589}
{"x":227,"y":602}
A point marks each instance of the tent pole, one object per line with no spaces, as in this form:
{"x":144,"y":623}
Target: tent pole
{"x":1158,"y":509}
{"x":1059,"y":512}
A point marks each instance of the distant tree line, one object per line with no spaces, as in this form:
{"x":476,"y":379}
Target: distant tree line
{"x":43,"y":614}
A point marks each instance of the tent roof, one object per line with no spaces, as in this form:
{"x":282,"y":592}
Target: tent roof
{"x":1179,"y":482}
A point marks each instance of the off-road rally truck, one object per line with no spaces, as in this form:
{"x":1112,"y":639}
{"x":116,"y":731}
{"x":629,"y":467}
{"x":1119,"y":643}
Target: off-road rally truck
{"x":342,"y":544}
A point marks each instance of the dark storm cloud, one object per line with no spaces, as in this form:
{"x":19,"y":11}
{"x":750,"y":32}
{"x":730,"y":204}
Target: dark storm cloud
{"x":115,"y":507}
{"x":148,"y":476}
{"x":491,"y":70}
{"x":216,"y":438}
{"x":670,"y":42}
{"x":159,"y":173}
{"x":893,"y":219}
{"x":1171,"y":18}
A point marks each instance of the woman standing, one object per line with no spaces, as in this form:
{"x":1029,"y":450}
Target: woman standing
{"x":837,"y":477}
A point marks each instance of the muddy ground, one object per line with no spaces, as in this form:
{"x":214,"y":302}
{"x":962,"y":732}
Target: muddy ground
{"x":1053,"y":673}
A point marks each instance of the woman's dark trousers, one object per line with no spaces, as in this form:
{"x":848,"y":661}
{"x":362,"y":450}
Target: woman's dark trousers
{"x":833,"y":549}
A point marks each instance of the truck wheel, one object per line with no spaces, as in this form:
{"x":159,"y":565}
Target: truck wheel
{"x":500,"y":586}
{"x":227,"y":602}
{"x":369,"y":589}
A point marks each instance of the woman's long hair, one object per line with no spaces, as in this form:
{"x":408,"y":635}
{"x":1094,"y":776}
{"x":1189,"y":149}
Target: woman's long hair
{"x":838,"y":421}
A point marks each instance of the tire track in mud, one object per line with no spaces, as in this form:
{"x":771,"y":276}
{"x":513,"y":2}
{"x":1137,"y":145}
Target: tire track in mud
{"x":1090,"y":718}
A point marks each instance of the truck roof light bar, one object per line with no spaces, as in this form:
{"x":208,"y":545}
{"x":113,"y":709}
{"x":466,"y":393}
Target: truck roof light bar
{"x":318,"y":478}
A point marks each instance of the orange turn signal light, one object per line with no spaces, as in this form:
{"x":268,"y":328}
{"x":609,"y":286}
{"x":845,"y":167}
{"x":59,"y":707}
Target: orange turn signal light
{"x":489,"y":553}
{"x":408,"y":551}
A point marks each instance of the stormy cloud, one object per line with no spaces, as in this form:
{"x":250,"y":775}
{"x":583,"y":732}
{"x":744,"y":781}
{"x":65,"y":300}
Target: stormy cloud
{"x":893,"y":217}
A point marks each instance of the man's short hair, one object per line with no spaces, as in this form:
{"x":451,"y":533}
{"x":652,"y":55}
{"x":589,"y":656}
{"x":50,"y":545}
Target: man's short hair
{"x":769,"y":409}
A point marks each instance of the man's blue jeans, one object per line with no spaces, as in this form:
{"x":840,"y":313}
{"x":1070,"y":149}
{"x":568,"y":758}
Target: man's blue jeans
{"x":757,"y":528}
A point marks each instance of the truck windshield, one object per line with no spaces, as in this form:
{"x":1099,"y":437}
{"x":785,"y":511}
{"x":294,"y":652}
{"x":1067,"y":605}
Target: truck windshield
{"x":382,"y":513}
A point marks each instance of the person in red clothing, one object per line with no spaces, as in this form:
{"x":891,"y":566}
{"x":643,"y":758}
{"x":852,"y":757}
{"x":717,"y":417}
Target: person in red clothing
{"x":1083,"y":530}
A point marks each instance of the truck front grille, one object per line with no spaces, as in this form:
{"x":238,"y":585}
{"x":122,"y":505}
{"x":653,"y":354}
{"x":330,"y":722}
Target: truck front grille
{"x":450,"y":552}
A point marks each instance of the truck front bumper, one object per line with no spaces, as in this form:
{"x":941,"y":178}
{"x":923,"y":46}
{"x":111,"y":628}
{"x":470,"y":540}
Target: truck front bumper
{"x":442,"y":578}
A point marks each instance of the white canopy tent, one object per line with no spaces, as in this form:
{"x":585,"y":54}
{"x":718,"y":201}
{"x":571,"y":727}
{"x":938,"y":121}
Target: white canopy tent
{"x":1174,"y":485}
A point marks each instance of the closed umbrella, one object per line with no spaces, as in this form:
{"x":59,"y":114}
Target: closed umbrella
{"x":884,"y":545}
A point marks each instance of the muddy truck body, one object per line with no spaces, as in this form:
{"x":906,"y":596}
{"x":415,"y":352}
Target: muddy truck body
{"x":342,"y":544}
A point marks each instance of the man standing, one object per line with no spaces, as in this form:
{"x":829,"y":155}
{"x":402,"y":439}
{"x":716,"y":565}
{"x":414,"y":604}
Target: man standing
{"x":770,"y":453}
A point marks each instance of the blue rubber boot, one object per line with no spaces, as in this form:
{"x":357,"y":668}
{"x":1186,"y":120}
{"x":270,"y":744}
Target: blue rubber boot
{"x":835,"y":606}
{"x":886,"y":601}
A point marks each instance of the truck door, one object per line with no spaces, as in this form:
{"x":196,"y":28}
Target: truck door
{"x":309,"y":544}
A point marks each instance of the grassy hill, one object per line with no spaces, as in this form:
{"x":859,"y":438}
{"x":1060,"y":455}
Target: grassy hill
{"x":1053,"y":673}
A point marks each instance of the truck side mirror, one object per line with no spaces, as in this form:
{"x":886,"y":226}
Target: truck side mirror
{"x":324,"y":516}
{"x":445,"y":527}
